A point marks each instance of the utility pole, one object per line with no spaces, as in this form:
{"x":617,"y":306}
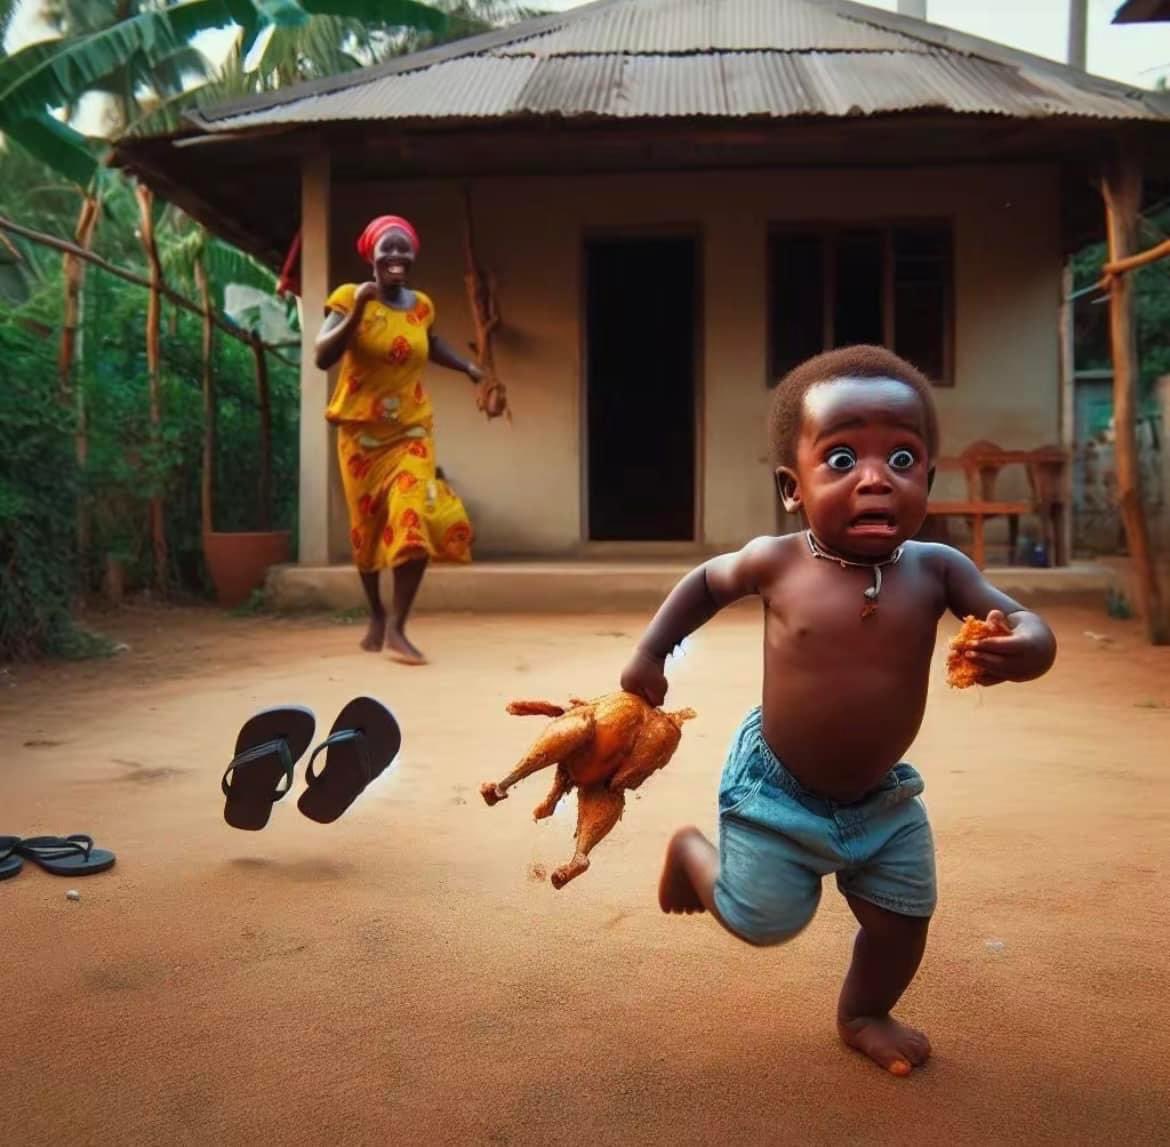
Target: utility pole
{"x":1078,"y":26}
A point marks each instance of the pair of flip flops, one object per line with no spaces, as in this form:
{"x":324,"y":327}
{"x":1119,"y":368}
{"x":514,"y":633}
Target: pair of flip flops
{"x":364,"y":739}
{"x":73,"y":855}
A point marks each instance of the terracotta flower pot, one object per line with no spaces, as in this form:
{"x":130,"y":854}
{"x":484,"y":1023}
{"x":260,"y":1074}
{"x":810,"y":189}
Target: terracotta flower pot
{"x":238,"y":563}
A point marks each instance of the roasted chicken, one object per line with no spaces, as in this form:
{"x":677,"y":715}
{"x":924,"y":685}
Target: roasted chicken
{"x":601,"y":748}
{"x":962,"y":673}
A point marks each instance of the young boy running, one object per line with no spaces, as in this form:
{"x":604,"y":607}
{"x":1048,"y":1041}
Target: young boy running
{"x":814,"y":782}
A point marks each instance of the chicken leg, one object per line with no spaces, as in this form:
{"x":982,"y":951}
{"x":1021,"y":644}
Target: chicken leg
{"x":598,"y":810}
{"x":562,"y":785}
{"x":556,"y":742}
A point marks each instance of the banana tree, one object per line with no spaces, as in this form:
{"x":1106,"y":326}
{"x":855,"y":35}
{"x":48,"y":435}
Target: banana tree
{"x":54,"y":74}
{"x":38,"y":196}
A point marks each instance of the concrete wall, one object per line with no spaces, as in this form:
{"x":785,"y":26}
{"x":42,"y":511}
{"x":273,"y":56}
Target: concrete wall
{"x":523,"y":483}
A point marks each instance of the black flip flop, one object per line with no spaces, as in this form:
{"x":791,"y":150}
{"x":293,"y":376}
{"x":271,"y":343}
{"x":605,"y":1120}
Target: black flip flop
{"x":10,"y":863}
{"x":267,"y":748}
{"x":72,"y":855}
{"x":364,"y":739}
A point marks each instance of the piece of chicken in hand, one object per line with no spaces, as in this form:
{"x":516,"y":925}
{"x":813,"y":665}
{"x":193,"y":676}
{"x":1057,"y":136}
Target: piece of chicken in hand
{"x":601,"y":748}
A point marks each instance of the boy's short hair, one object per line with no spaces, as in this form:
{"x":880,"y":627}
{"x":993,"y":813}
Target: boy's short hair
{"x":845,"y":362}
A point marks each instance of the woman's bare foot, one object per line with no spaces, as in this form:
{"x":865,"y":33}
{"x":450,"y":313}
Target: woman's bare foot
{"x":676,"y":890}
{"x":375,"y":636}
{"x":889,"y":1043}
{"x":400,"y":649}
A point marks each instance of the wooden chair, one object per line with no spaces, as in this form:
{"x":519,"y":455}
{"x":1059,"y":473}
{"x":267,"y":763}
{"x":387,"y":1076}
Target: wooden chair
{"x":980,"y":466}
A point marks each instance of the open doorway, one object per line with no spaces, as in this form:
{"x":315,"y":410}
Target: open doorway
{"x":641,"y":324}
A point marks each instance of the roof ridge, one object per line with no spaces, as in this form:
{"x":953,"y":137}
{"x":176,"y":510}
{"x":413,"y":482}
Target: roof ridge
{"x":964,"y":43}
{"x":935,"y":38}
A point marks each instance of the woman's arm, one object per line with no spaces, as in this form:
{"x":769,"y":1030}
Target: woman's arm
{"x":338,"y":328}
{"x":442,"y":353}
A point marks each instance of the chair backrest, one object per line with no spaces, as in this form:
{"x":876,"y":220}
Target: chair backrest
{"x":980,"y":482}
{"x":1045,"y":476}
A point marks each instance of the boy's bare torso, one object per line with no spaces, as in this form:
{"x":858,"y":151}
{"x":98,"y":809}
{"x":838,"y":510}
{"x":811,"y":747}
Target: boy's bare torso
{"x":844,"y":696}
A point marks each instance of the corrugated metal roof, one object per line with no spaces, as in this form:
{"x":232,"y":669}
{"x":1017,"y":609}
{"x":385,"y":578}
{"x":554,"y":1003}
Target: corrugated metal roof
{"x":691,"y":58}
{"x":677,"y":26}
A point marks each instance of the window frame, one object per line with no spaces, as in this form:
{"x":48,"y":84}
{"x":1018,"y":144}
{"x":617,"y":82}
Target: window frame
{"x":827,"y":232}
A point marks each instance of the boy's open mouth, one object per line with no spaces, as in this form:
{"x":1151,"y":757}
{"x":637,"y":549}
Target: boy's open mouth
{"x":874,"y":522}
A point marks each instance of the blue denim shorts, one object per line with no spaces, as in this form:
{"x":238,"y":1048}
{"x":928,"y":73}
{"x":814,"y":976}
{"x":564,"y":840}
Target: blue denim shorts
{"x":777,"y":841}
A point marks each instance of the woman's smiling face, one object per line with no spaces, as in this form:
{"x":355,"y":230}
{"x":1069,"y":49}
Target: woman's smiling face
{"x":393,"y":258}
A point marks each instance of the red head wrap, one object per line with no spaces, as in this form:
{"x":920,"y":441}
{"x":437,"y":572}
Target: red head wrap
{"x":377,"y":227}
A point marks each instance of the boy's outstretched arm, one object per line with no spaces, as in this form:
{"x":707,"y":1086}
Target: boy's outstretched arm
{"x":1027,"y":652}
{"x":693,"y":602}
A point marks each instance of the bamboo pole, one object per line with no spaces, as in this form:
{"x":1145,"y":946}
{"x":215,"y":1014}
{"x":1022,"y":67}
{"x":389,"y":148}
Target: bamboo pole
{"x":1142,"y":259}
{"x":264,"y":401}
{"x":73,"y":266}
{"x":1122,"y":189}
{"x":207,"y":478}
{"x":154,"y":373}
{"x":69,"y":352}
{"x":62,"y":245}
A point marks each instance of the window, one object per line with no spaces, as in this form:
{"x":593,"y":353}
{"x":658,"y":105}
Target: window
{"x":890,"y":285}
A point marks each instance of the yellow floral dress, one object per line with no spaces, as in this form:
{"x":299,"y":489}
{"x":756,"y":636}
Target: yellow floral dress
{"x":398,"y":509}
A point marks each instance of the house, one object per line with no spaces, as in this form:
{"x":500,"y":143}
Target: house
{"x":678,"y":199}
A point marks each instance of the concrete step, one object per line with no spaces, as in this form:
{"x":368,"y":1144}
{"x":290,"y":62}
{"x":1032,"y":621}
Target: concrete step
{"x":593,"y":586}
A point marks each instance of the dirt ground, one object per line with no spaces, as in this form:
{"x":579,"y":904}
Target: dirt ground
{"x":401,"y":976}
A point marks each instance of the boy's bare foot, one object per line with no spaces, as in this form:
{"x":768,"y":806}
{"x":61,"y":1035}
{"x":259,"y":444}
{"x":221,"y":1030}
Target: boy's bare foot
{"x":889,"y":1043}
{"x":400,"y":649}
{"x":676,"y":892}
{"x":375,"y":636}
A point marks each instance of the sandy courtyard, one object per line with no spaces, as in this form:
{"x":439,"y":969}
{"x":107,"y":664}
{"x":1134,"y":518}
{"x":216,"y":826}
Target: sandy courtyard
{"x":400,"y":977}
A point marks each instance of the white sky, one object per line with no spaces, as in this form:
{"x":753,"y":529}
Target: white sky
{"x":1136,"y":53}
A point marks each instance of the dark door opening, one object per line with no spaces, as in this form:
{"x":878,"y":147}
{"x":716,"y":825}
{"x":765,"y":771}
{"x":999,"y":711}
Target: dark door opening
{"x":640,"y":325}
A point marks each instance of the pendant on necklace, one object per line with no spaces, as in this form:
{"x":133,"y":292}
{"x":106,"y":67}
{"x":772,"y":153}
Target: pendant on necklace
{"x":871,"y":594}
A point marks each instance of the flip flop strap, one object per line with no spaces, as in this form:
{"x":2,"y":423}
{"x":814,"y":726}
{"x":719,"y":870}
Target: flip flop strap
{"x":56,"y":847}
{"x":342,"y":737}
{"x":278,"y":746}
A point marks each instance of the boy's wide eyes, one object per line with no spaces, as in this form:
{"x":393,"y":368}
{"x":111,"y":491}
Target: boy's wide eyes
{"x":842,"y":459}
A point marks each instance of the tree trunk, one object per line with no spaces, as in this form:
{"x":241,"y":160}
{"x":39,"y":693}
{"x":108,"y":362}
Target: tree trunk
{"x":264,"y":401}
{"x":1122,"y":189}
{"x":207,"y":484}
{"x":153,"y":314}
{"x":69,"y":353}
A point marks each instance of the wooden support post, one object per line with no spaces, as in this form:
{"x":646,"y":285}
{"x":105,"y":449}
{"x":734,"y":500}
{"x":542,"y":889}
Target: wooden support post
{"x":1164,"y":427}
{"x":1068,"y":417}
{"x":317,"y":462}
{"x":1122,"y":190}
